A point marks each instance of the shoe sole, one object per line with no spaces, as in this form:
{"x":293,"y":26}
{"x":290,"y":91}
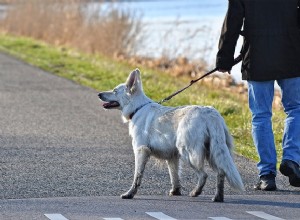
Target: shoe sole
{"x":273,"y":188}
{"x":267,"y":188}
{"x":294,"y":181}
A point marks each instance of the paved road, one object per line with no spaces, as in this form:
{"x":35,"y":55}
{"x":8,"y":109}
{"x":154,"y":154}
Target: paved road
{"x":272,"y":207}
{"x":57,"y":141}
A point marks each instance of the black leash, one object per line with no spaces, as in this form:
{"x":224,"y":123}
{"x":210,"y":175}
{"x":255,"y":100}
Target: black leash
{"x":236,"y":61}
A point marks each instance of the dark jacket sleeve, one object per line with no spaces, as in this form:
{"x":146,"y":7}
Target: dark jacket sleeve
{"x":299,"y":13}
{"x":229,"y":34}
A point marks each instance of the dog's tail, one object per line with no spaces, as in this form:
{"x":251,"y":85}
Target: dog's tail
{"x":221,"y":157}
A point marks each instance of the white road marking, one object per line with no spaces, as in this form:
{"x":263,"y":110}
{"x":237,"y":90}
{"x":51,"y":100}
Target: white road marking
{"x":160,"y":216}
{"x":55,"y":217}
{"x":220,"y":218}
{"x":264,"y":215}
{"x":112,"y":218}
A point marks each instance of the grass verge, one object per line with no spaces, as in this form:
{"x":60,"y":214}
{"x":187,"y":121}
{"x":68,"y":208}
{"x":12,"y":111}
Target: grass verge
{"x":102,"y":73}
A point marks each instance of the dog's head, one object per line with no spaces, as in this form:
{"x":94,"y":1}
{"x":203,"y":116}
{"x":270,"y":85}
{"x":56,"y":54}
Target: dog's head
{"x":122,"y":96}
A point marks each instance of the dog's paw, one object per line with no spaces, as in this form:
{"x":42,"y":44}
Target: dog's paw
{"x":127,"y":196}
{"x":218,"y":199}
{"x":195,"y":193}
{"x":175,"y":192}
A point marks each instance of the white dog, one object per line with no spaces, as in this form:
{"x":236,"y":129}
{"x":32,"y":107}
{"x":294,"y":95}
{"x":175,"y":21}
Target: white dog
{"x":191,"y":133}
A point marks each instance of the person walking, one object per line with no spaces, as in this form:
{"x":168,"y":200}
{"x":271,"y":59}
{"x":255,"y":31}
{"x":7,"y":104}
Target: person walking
{"x":270,"y":52}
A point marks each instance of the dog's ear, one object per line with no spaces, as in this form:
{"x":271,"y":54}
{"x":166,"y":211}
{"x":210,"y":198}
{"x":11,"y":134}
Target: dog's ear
{"x":133,"y":81}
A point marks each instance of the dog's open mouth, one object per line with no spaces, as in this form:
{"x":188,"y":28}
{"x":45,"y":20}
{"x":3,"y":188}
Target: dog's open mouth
{"x":112,"y":104}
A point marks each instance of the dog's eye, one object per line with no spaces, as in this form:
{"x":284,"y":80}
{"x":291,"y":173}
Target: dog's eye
{"x":115,"y":91}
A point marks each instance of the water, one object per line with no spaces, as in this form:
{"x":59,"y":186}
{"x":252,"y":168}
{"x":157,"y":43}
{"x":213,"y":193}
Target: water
{"x":189,"y":28}
{"x":169,"y":9}
{"x":3,"y":9}
{"x":179,"y":27}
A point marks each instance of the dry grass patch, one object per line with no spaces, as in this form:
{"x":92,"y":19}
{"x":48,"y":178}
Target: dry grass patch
{"x":90,"y":27}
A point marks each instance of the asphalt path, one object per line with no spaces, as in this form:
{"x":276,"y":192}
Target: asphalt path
{"x":254,"y":207}
{"x":57,"y":141}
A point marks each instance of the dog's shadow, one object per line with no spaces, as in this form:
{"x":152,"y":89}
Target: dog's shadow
{"x":264,"y":203}
{"x":234,"y":201}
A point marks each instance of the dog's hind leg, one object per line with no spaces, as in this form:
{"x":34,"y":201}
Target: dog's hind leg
{"x":202,"y":176}
{"x":142,"y":155}
{"x":219,"y":196}
{"x":196,"y":161}
{"x":173,"y":166}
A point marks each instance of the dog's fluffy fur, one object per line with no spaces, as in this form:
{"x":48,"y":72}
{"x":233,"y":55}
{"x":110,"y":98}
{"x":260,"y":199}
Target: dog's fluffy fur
{"x":191,"y":133}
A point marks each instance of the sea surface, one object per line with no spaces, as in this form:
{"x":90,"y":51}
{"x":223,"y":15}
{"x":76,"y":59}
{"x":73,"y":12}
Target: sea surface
{"x":189,"y":28}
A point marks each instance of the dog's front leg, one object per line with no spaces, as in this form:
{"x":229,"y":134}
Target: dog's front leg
{"x":173,"y":166}
{"x":142,"y":155}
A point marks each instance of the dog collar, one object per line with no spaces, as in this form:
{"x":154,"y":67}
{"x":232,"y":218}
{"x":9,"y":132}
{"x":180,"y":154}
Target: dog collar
{"x":135,"y":111}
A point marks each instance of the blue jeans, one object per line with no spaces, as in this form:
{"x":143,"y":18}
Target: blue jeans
{"x":260,"y":96}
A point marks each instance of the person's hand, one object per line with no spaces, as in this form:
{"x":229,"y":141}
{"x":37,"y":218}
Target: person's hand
{"x":224,"y":71}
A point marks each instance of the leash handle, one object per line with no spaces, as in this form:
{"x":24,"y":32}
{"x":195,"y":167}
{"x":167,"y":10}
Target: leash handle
{"x":236,"y":61}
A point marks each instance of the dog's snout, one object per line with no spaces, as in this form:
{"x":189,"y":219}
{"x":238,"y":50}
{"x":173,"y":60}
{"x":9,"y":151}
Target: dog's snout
{"x":100,"y":95}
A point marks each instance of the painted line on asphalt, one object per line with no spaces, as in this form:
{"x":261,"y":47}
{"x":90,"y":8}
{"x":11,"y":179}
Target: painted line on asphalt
{"x":55,"y":217}
{"x":264,"y":215}
{"x":160,"y":216}
{"x":112,"y":218}
{"x":220,"y":218}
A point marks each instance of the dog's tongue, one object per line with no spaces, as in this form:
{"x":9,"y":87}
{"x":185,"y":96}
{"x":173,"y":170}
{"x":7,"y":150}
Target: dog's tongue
{"x":110,"y":104}
{"x":106,"y":105}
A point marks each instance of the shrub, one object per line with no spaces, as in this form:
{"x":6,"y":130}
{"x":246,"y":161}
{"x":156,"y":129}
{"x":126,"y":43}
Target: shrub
{"x":81,"y":24}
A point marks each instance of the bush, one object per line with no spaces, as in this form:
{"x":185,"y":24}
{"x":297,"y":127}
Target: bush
{"x":81,"y":24}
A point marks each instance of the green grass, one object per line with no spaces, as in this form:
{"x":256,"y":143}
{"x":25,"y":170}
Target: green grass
{"x":102,"y":73}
